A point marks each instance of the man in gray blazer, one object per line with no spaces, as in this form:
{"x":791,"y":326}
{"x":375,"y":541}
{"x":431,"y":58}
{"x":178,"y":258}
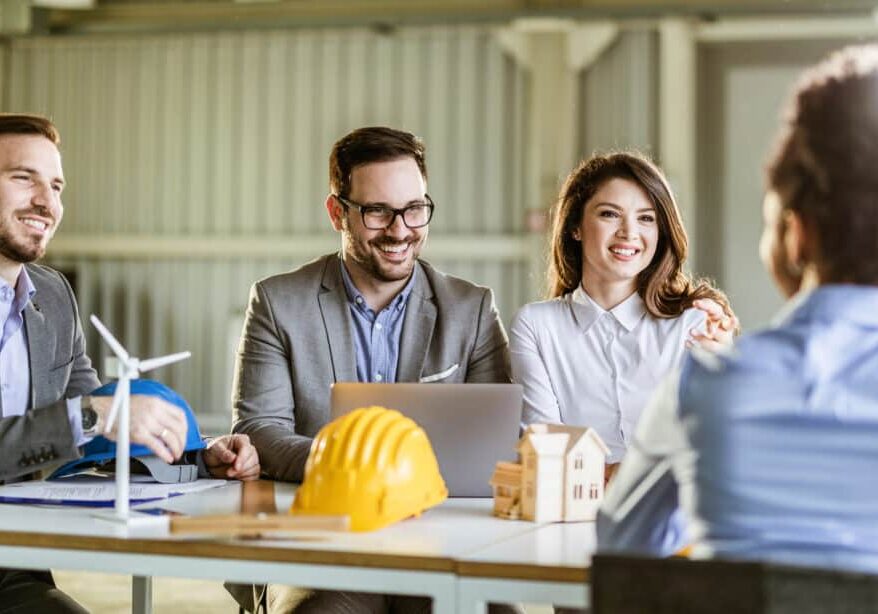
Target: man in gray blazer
{"x":372,"y":313}
{"x":46,"y":413}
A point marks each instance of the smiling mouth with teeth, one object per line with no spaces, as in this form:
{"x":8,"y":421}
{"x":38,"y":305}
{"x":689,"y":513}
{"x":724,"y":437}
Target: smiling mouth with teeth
{"x":623,"y":251}
{"x":35,"y":224}
{"x":394,"y":249}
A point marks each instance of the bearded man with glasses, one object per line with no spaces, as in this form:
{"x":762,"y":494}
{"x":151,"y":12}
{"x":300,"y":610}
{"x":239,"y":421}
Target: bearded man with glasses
{"x":374,"y":312}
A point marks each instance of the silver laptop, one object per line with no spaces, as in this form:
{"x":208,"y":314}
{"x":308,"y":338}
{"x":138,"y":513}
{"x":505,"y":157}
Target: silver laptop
{"x":470,"y":426}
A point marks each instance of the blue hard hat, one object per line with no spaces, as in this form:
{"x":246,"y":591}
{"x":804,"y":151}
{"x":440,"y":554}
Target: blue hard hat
{"x":101,"y":450}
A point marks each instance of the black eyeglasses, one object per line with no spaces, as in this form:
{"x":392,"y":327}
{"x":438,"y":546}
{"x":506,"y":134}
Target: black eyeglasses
{"x":379,"y":217}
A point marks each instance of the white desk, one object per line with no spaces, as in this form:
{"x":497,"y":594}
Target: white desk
{"x":456,"y":545}
{"x":547,"y":565}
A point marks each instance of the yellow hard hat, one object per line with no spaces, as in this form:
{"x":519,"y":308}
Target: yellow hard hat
{"x":373,"y":464}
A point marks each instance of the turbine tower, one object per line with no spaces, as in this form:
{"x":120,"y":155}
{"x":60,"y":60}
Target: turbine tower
{"x":127,"y":368}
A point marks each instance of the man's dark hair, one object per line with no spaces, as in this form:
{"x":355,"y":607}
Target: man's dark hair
{"x":823,"y":167}
{"x":367,"y":145}
{"x":21,"y":123}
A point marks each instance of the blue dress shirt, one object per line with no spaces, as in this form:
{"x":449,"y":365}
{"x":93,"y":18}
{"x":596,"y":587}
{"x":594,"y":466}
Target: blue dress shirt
{"x":14,"y":365}
{"x":769,"y":452}
{"x":376,"y":335}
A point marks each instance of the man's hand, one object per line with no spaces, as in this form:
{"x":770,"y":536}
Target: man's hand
{"x":232,"y":457}
{"x":154,"y":422}
{"x":720,"y":327}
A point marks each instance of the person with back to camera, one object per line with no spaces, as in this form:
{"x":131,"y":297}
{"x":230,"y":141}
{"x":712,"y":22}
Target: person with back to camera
{"x":621,"y":311}
{"x":769,"y":452}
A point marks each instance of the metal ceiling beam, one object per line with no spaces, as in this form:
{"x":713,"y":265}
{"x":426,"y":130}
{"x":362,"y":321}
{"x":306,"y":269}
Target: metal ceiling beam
{"x":388,"y":13}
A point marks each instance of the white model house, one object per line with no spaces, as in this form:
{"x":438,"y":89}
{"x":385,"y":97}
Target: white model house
{"x":562,"y":475}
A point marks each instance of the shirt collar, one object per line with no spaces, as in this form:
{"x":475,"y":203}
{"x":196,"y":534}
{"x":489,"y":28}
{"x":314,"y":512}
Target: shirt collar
{"x":22,"y":293}
{"x":356,"y":298}
{"x":628,"y":313}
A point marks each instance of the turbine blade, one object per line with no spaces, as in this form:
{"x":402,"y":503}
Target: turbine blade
{"x":114,"y":408}
{"x":110,"y":339}
{"x":161,"y":361}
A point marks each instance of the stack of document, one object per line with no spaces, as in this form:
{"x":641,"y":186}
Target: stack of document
{"x":95,"y":491}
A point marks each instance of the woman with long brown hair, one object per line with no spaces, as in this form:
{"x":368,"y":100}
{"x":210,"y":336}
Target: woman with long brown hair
{"x":621,"y":311}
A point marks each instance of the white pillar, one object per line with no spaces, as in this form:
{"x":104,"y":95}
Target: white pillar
{"x":678,"y":118}
{"x":554,"y":51}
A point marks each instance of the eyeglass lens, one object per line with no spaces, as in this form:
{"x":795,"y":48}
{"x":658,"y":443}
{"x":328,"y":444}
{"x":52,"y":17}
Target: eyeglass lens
{"x":414,"y":216}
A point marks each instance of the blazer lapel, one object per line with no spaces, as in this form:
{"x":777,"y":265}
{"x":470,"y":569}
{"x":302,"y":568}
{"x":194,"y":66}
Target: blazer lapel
{"x":40,"y":348}
{"x":417,"y":330}
{"x":334,"y":310}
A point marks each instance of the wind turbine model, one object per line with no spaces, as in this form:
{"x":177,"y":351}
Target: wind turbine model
{"x":127,"y":368}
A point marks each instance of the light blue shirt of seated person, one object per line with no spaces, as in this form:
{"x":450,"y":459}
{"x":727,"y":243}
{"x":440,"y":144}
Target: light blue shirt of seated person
{"x":14,"y":361}
{"x":376,"y":335}
{"x":769,"y":452}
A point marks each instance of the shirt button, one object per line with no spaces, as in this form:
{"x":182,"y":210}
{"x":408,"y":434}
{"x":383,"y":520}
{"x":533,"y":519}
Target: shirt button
{"x":6,"y":294}
{"x":359,"y":300}
{"x":378,"y":326}
{"x":378,"y":377}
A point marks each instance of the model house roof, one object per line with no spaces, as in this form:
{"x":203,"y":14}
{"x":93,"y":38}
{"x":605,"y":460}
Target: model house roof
{"x":507,"y":474}
{"x":570,"y":435}
{"x":545,"y":444}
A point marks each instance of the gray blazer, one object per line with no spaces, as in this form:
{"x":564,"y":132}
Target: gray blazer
{"x":298,"y":340}
{"x":59,"y":369}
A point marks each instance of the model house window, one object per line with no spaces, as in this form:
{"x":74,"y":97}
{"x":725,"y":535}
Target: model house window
{"x":577,"y":491}
{"x":593,"y":491}
{"x":577,"y":462}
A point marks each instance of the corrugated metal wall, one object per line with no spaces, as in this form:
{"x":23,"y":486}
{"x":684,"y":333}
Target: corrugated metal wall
{"x":228,"y":134}
{"x":618,"y":96}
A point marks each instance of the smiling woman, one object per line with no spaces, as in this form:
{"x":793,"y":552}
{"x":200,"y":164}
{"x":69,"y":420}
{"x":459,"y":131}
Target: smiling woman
{"x":621,"y":310}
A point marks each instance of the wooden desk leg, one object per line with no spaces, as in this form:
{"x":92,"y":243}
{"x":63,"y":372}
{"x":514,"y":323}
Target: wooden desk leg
{"x":141,"y":594}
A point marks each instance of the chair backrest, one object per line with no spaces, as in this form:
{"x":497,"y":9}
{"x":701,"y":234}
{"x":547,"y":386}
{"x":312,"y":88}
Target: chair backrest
{"x":633,"y":585}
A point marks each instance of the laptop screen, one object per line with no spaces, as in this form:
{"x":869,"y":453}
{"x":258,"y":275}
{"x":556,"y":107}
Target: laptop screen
{"x":470,"y":426}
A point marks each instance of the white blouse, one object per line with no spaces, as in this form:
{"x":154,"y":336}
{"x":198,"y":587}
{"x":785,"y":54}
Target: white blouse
{"x":584,"y":366}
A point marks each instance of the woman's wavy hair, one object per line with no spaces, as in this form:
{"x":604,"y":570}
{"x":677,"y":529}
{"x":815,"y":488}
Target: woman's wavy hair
{"x":664,"y":287}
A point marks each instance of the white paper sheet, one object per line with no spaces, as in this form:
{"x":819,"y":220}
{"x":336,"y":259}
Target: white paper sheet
{"x":95,"y":491}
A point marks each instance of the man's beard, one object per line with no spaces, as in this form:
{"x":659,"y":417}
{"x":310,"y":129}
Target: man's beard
{"x":21,"y":254}
{"x":17,"y":250}
{"x":371,"y":263}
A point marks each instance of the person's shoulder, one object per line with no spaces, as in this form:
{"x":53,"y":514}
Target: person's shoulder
{"x":42,"y":274}
{"x":772,"y":348}
{"x":543,"y":311}
{"x":770,"y":351}
{"x":447,"y":286}
{"x":540,"y":317}
{"x":48,"y":281}
{"x":309,"y":274}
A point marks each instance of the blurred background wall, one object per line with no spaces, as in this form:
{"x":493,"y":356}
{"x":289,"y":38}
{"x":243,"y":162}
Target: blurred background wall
{"x":196,"y":138}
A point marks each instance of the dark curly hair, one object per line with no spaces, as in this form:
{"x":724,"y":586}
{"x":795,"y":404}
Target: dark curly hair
{"x":823,"y":166}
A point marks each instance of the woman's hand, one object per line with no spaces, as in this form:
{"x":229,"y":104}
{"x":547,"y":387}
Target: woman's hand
{"x":719,"y":328}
